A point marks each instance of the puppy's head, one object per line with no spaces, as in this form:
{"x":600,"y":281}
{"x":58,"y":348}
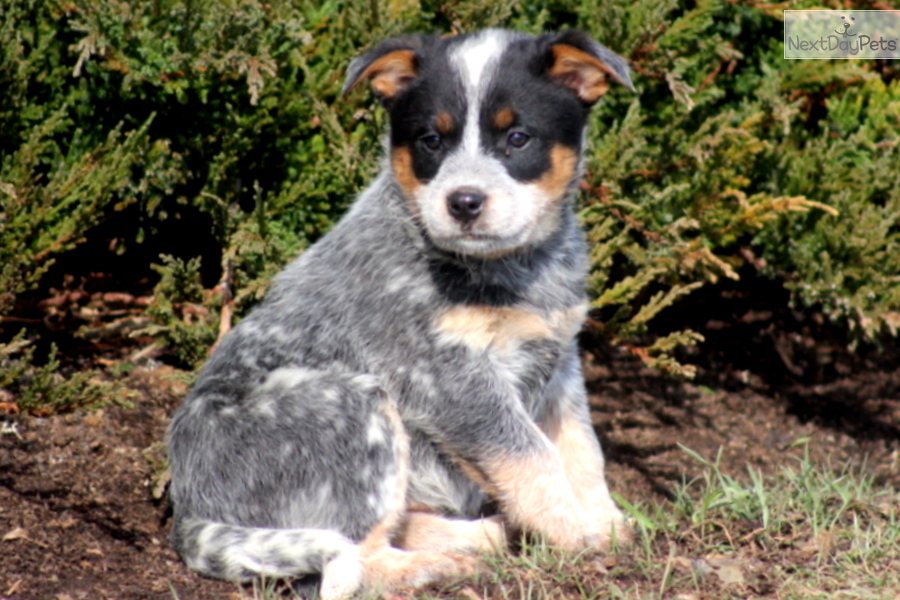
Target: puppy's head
{"x":486,"y":129}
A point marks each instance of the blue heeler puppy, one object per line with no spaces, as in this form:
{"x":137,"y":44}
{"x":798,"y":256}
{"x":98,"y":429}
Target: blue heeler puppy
{"x":418,"y":365}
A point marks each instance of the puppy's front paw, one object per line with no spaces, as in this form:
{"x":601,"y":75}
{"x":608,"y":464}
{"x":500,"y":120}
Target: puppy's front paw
{"x":596,"y":532}
{"x":612,"y":530}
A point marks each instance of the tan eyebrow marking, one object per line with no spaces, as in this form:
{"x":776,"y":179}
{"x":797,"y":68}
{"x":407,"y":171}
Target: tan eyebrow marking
{"x":444,"y":122}
{"x":504,"y":117}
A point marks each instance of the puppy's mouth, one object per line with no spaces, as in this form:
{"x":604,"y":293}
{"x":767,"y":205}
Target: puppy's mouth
{"x":480,"y":244}
{"x":478,"y":236}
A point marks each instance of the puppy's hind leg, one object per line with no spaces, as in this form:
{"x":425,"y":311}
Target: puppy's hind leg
{"x":425,"y":531}
{"x":289,"y":480}
{"x":440,"y":549}
{"x":387,"y":568}
{"x":381,"y":567}
{"x":343,"y":577}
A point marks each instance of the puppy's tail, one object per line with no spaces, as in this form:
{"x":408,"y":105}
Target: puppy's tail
{"x":237,"y":553}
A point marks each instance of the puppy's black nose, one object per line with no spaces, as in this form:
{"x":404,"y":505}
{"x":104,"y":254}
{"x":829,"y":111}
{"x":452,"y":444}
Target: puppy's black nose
{"x":465,"y":204}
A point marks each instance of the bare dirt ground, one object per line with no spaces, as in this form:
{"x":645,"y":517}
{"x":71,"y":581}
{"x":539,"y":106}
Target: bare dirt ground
{"x":78,"y":517}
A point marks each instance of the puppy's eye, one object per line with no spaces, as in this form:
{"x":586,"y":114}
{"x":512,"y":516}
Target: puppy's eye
{"x":431,"y":141}
{"x":517,"y":139}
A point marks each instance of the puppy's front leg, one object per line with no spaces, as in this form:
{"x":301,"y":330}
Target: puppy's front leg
{"x":536,"y":495}
{"x":569,"y":428}
{"x":504,"y":450}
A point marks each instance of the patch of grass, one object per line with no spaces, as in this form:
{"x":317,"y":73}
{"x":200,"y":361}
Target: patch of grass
{"x":806,"y":531}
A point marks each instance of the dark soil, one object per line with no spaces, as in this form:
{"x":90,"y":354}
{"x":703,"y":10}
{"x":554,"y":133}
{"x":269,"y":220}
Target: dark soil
{"x":77,"y":514}
{"x":79,"y":517}
{"x":643,"y":417}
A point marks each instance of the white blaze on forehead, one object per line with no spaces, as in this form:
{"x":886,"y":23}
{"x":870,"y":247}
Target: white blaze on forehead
{"x":477,"y":54}
{"x":476,"y":58}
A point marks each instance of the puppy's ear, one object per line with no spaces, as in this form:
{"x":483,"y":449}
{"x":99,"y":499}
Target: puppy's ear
{"x":579,"y":63}
{"x":389,"y":67}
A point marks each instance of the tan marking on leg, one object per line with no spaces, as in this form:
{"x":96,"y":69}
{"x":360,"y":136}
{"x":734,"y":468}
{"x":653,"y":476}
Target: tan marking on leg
{"x":443,"y":122}
{"x":380,"y":535}
{"x":504,"y":118}
{"x":581,"y":458}
{"x":427,"y":531}
{"x":537,"y":496}
{"x":584,"y":466}
{"x":555,"y":182}
{"x":389,"y":568}
{"x":475,"y":475}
